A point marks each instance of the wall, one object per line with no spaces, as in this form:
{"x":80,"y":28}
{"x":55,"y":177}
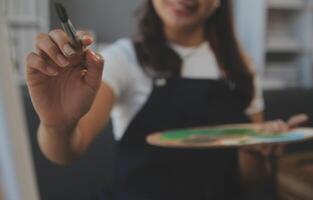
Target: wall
{"x":111,"y":19}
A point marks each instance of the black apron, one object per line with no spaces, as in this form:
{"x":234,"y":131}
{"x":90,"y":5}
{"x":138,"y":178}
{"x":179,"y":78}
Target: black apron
{"x":145,"y":172}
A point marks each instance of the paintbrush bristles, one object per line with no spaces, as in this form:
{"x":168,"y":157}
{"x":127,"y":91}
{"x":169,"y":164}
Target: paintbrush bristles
{"x":61,"y":12}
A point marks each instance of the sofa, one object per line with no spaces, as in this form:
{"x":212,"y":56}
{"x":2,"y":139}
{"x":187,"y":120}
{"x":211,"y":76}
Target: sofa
{"x":92,"y":173}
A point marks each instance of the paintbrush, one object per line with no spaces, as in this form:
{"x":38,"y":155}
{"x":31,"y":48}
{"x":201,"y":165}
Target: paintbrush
{"x":68,"y":26}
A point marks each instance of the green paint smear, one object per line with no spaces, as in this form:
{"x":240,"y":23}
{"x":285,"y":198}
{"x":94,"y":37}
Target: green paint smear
{"x":182,"y":135}
{"x":214,"y":132}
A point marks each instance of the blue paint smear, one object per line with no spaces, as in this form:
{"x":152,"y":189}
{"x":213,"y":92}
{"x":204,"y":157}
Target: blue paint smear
{"x":290,"y":136}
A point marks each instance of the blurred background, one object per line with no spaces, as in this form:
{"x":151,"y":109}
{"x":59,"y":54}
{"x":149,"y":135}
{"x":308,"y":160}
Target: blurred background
{"x":276,"y":34}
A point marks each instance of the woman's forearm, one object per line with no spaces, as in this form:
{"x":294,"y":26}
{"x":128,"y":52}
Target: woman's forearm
{"x":60,"y":145}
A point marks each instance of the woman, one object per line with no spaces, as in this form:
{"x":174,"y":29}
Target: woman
{"x":184,"y":69}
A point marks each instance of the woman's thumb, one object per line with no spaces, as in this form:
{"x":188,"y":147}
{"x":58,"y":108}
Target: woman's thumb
{"x":297,"y":120}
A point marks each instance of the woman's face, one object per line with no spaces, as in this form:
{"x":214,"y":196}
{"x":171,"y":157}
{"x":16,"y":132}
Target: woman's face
{"x":184,"y":14}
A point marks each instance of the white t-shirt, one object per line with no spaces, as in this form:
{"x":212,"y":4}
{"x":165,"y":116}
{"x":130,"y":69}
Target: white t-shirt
{"x":132,"y":86}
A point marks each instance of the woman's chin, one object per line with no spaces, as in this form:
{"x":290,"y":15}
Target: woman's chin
{"x":181,"y":25}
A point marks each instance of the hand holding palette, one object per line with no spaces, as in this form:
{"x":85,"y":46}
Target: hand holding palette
{"x":226,"y":136}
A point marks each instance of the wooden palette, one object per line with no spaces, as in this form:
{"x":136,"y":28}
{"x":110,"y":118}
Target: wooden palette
{"x":226,"y":136}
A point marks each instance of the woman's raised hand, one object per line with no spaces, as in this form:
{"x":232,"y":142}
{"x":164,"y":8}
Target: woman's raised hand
{"x":63,"y":81}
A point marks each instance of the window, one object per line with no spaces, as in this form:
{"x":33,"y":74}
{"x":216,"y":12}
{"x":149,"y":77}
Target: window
{"x":26,"y":18}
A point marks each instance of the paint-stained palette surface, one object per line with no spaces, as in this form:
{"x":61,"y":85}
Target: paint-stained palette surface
{"x":226,"y":136}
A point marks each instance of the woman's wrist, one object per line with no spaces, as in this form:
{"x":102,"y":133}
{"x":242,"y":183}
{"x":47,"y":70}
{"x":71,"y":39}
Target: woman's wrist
{"x":64,"y":129}
{"x":59,"y":143}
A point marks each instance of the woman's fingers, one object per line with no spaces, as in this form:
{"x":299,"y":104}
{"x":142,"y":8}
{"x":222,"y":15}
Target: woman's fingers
{"x":297,"y":120}
{"x":60,"y":38}
{"x":36,"y":63}
{"x":276,"y":150}
{"x":63,"y":41}
{"x":56,"y":46}
{"x":270,"y":126}
{"x":276,"y":126}
{"x":85,"y":37}
{"x":279,"y":125}
{"x":282,"y":125}
{"x":45,"y":44}
{"x":94,"y":64}
{"x":267,"y":150}
{"x":280,"y":149}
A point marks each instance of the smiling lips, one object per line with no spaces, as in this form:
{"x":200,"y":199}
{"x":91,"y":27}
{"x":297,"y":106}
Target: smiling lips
{"x":183,"y":7}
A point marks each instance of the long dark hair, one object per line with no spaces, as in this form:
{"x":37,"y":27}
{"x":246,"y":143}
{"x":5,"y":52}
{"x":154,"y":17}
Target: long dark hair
{"x":155,"y":55}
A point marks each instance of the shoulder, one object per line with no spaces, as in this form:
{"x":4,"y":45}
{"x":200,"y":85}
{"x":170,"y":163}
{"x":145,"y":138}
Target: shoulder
{"x":122,"y":49}
{"x":121,"y":70}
